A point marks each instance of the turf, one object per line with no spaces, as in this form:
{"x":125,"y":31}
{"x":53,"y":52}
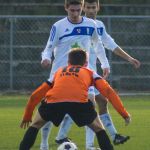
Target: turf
{"x":11,"y":111}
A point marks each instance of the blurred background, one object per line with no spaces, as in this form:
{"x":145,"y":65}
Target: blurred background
{"x":24,"y":31}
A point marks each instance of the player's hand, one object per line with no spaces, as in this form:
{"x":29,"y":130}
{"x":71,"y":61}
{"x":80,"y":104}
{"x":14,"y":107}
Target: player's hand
{"x":106,"y":72}
{"x":135,"y":62}
{"x":45,"y":63}
{"x":127,"y":120}
{"x":24,"y":124}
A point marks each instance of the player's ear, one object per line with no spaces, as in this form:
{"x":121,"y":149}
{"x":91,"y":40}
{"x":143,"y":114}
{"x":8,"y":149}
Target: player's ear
{"x":66,"y":8}
{"x":83,"y":8}
{"x":98,"y":8}
{"x":86,"y":64}
{"x":69,"y":63}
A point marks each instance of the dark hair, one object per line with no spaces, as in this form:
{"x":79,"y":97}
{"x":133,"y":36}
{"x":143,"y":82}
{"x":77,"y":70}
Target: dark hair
{"x":77,"y":56}
{"x":92,"y":1}
{"x":73,"y":2}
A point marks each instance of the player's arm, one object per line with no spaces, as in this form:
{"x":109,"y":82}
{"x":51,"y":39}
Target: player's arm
{"x":107,"y":40}
{"x":100,"y":53}
{"x":107,"y":91}
{"x":110,"y":44}
{"x":120,"y":52}
{"x":51,"y":43}
{"x":34,"y":100}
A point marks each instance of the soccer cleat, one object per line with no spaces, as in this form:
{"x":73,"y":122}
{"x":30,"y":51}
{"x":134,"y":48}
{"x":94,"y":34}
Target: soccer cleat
{"x":63,"y":140}
{"x":120,"y":139}
{"x":92,"y":148}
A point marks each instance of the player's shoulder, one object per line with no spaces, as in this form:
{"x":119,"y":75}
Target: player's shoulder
{"x":86,"y":69}
{"x":60,"y":22}
{"x":92,"y":72}
{"x":59,"y":70}
{"x":99,"y":22}
{"x":89,"y":20}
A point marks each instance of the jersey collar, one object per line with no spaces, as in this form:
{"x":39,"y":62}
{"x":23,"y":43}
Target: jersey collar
{"x":75,"y":23}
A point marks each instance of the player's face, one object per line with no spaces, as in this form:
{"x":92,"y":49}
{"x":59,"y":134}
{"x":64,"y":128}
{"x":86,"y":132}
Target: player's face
{"x":74,"y":12}
{"x":91,"y":9}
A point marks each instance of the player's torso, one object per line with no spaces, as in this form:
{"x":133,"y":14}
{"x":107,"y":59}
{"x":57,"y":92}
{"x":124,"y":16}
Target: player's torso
{"x":92,"y":54}
{"x":100,"y":27}
{"x":92,"y":58}
{"x":70,"y":84}
{"x":71,"y":36}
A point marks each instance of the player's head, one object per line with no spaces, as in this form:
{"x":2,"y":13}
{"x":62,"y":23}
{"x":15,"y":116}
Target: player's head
{"x":73,"y":2}
{"x":77,"y":56}
{"x":74,"y":8}
{"x":91,"y":7}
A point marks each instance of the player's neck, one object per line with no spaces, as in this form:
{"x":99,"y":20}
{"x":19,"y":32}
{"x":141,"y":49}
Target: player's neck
{"x":94,"y":18}
{"x":75,"y":20}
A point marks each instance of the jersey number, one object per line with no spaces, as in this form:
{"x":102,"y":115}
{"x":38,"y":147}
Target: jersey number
{"x":71,"y":71}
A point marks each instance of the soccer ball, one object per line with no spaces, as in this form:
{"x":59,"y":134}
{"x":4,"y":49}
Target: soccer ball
{"x":67,"y":146}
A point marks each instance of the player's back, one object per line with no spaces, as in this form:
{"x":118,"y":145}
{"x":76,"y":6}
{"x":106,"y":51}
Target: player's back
{"x":71,"y":84}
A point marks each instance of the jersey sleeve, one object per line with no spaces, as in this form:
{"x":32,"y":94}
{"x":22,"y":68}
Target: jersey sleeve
{"x":51,"y":43}
{"x":105,"y":89}
{"x":107,"y":40}
{"x":99,"y":49}
{"x":35,"y":98}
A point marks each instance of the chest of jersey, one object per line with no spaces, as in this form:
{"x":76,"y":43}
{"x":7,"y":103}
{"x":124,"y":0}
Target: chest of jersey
{"x":75,"y":34}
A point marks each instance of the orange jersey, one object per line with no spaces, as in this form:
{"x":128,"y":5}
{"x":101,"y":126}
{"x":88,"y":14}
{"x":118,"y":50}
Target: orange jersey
{"x":107,"y":91}
{"x":35,"y":98}
{"x":71,"y":84}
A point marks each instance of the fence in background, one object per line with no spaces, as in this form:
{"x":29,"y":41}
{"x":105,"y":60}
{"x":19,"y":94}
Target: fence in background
{"x":57,"y":8}
{"x":22,"y":39}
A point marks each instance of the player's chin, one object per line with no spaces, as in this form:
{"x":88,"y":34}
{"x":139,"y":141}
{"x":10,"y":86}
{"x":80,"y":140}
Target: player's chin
{"x":91,"y":16}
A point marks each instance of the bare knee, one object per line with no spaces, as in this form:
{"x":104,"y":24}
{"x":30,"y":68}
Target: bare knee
{"x":102,"y":104}
{"x":38,"y":122}
{"x":96,"y":125}
{"x":91,"y":97}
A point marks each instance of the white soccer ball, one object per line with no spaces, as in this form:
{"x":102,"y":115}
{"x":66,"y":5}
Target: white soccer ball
{"x":67,"y":146}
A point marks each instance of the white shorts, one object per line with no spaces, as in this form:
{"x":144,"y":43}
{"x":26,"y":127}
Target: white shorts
{"x":93,"y":91}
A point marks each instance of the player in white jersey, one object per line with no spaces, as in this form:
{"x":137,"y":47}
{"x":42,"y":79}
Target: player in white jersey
{"x":91,"y":8}
{"x":66,"y":35}
{"x":72,"y":31}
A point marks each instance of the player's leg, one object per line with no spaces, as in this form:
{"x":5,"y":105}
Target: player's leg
{"x":45,"y":132}
{"x":64,"y":129}
{"x":107,"y":121}
{"x":67,"y":122}
{"x":104,"y":115}
{"x":102,"y":137}
{"x":53,"y":112}
{"x":86,"y":115}
{"x":90,"y":135}
{"x":31,"y":133}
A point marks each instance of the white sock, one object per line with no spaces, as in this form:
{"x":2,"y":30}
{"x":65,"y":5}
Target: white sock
{"x":64,"y":127}
{"x":90,"y":134}
{"x":45,"y":131}
{"x":108,"y":124}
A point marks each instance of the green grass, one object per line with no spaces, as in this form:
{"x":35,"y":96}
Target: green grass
{"x":11,"y":111}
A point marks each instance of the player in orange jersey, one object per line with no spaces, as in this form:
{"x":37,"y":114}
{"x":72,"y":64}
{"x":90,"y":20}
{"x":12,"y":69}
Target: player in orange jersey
{"x":68,"y":94}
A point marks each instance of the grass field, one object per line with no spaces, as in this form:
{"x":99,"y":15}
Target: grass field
{"x":11,"y":110}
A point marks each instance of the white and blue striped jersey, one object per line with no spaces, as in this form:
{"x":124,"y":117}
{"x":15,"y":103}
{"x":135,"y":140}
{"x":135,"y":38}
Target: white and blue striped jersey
{"x":107,"y":42}
{"x":65,"y":35}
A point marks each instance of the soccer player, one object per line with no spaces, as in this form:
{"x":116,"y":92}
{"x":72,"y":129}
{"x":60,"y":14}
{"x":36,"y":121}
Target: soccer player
{"x":91,"y":7}
{"x":67,"y":93}
{"x":71,"y":31}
